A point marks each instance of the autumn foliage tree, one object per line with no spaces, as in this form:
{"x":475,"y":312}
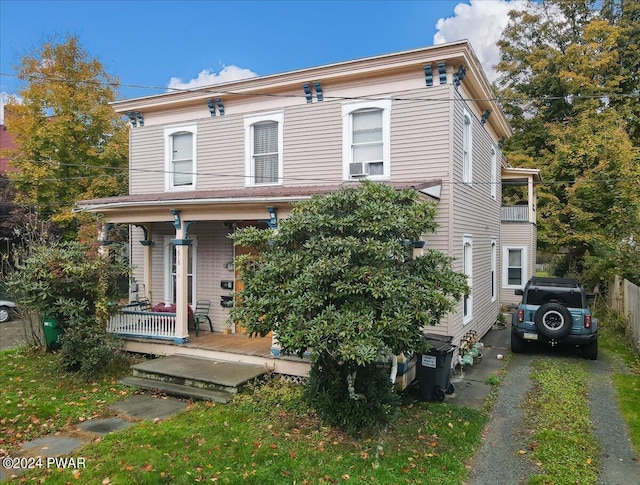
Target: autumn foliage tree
{"x":71,"y":144}
{"x":338,"y":279}
{"x":569,"y":80}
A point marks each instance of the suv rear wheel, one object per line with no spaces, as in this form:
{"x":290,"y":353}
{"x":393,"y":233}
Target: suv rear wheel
{"x":553,"y":320}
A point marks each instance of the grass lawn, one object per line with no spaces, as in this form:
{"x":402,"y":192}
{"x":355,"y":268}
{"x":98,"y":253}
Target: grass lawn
{"x":266,"y":437}
{"x":37,"y":398}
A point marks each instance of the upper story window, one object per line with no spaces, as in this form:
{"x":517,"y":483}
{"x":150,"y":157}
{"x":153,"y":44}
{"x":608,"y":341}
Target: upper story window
{"x":467,"y":148}
{"x":494,"y":173}
{"x":180,"y":157}
{"x":263,"y":149}
{"x":366,"y":134}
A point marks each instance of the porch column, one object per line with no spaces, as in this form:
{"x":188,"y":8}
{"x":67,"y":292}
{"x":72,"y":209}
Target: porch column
{"x":532,"y":200}
{"x":181,"y":244}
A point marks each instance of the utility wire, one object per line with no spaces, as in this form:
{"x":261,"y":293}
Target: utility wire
{"x":125,"y":170}
{"x":212,"y":90}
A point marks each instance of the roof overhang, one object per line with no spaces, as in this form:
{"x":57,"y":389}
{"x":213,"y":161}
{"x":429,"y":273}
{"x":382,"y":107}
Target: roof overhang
{"x":222,"y":204}
{"x":515,"y":174}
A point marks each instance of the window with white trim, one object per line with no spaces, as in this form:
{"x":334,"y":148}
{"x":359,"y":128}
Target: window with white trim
{"x":467,"y":266}
{"x":170,"y":270}
{"x":180,"y":157}
{"x":514,"y":272}
{"x":467,"y":148}
{"x":366,"y":136}
{"x":494,"y":270}
{"x":264,"y":142}
{"x":494,"y":173}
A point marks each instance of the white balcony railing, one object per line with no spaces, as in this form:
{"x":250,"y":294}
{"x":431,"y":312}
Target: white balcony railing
{"x":130,"y":323}
{"x":516,"y":213}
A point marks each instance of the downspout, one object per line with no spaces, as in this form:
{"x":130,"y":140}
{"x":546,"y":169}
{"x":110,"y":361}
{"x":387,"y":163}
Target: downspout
{"x":394,"y":369}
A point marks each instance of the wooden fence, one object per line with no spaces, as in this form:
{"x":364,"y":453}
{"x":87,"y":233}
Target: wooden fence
{"x":624,"y":297}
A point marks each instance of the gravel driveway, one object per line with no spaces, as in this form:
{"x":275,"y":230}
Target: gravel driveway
{"x":499,"y":461}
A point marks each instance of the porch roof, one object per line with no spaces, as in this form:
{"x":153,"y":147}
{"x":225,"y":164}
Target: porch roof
{"x":247,"y":196}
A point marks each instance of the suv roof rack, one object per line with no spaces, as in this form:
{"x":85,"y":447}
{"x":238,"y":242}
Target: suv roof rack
{"x":559,"y":282}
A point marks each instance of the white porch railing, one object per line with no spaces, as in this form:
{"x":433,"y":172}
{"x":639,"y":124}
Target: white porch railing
{"x":158,"y":325}
{"x":516,"y":213}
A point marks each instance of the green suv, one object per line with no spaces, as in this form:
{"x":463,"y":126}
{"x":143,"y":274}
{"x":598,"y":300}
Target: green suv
{"x":554,"y":310}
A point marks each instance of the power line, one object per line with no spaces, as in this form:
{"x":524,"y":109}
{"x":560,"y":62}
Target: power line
{"x":212,"y":90}
{"x":307,"y":179}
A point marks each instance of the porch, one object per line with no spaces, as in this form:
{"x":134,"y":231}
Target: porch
{"x":153,"y":333}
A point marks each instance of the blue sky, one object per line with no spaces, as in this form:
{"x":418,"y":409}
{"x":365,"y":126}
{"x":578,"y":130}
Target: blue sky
{"x":153,"y":43}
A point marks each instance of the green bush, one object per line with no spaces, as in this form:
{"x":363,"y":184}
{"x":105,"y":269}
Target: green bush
{"x":352,"y":398}
{"x":87,"y":348}
{"x":339,"y":279}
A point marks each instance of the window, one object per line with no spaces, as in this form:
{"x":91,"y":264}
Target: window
{"x":467,"y":155}
{"x":494,"y":173}
{"x":494,"y":257}
{"x":514,"y":267}
{"x":180,"y":157}
{"x":467,"y":265}
{"x":263,"y":149}
{"x":366,"y":139}
{"x":170,"y":271}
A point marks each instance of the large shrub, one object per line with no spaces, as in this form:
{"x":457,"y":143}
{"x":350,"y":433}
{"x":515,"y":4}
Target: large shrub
{"x":338,"y":278}
{"x":72,"y":283}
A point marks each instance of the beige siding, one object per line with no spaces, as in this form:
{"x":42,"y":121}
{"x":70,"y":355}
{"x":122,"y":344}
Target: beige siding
{"x":518,"y":235}
{"x":477,"y":215}
{"x":147,"y":160}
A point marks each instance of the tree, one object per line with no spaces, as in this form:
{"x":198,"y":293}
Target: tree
{"x":337,"y":278}
{"x":569,"y":81}
{"x":71,"y":144}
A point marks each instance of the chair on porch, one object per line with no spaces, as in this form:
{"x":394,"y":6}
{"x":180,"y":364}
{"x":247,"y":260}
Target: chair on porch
{"x":144,"y":304}
{"x":201,"y":313}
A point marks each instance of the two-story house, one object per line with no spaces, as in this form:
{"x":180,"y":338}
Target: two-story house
{"x":208,"y":160}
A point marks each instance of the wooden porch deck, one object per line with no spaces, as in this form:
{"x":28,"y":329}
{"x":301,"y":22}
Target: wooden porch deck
{"x":232,"y":342}
{"x":223,"y":347}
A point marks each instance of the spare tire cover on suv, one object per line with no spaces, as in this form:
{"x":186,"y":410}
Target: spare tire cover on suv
{"x":553,"y":320}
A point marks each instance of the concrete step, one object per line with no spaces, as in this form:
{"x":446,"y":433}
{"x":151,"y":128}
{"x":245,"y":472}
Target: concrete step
{"x":198,"y":373}
{"x":178,"y":389}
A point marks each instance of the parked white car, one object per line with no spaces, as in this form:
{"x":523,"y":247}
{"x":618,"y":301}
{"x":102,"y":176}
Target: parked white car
{"x":7,"y":307}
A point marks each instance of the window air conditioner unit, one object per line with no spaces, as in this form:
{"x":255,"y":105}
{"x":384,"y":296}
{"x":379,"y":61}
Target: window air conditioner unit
{"x":357,"y":169}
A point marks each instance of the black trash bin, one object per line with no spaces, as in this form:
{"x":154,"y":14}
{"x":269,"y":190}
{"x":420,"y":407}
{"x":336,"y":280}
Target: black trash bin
{"x":434,"y":368}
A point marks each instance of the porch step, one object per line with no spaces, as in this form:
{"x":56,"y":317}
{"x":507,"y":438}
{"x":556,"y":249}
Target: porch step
{"x":195,"y":374}
{"x":178,"y":389}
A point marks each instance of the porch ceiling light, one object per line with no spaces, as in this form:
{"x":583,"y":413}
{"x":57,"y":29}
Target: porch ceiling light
{"x":485,"y":117}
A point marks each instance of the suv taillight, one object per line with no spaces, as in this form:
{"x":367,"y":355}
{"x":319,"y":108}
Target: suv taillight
{"x":587,"y":321}
{"x":521,"y":316}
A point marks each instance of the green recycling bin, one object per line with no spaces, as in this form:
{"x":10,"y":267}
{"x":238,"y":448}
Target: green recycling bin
{"x":52,"y":332}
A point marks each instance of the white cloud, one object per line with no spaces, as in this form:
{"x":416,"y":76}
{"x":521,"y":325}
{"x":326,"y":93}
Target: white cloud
{"x":207,"y":77}
{"x":481,"y":22}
